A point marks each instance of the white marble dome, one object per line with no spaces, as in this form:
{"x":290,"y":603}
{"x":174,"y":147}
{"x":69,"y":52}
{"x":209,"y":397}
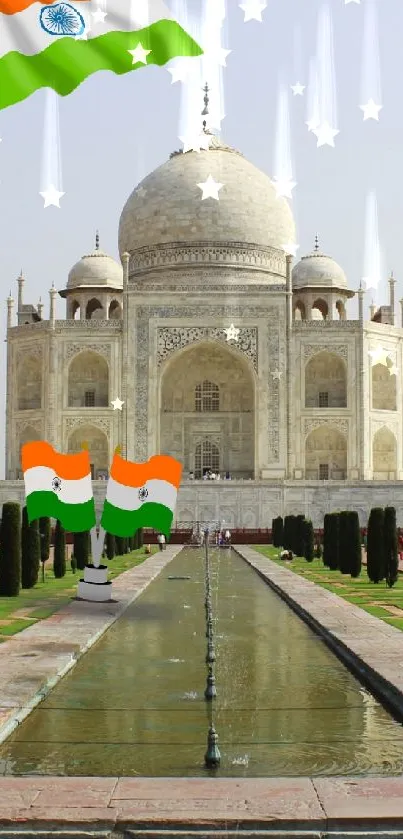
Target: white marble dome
{"x":318,"y":270}
{"x":167,"y":206}
{"x":96,"y":269}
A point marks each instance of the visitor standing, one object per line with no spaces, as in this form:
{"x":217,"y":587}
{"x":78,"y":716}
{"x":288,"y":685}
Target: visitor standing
{"x":227,"y":536}
{"x":163,"y":542}
{"x":160,"y":537}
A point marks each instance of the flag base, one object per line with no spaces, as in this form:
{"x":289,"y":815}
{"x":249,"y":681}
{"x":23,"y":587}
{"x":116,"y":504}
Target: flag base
{"x":95,"y":585}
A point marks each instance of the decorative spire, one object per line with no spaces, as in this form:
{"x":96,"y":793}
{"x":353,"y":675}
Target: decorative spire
{"x":97,"y":240}
{"x":206,"y":100}
{"x":316,"y":248}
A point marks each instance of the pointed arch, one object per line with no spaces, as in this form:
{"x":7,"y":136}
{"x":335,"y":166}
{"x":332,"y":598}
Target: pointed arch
{"x":98,"y":446}
{"x":88,"y":381}
{"x":384,"y":455}
{"x":29,"y":383}
{"x":325,"y":454}
{"x":325,"y":381}
{"x":94,"y":309}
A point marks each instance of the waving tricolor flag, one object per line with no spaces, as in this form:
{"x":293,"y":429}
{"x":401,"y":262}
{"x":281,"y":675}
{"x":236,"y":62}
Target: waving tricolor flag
{"x":141,"y":495}
{"x":58,"y":486}
{"x":60,"y":44}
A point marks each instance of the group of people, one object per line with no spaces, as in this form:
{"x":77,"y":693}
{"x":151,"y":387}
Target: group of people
{"x":211,"y":476}
{"x":223,"y":538}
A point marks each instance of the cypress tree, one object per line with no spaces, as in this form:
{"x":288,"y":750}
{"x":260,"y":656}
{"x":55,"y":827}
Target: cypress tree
{"x":140,"y":538}
{"x":344,"y":545}
{"x":333,"y":542}
{"x":309,"y":541}
{"x":390,"y":545}
{"x":327,"y":548}
{"x":280,"y":529}
{"x":376,"y":545}
{"x":287,"y":533}
{"x":59,"y":554}
{"x":81,"y":549}
{"x":136,"y":540}
{"x":30,"y":551}
{"x":299,"y":535}
{"x":44,"y":536}
{"x":274,"y":533}
{"x":10,"y":549}
{"x":120,"y":542}
{"x":355,"y":551}
{"x":110,"y":545}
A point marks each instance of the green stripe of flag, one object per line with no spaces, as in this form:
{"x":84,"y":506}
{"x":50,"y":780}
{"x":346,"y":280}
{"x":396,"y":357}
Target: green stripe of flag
{"x":66,"y":63}
{"x":73,"y":517}
{"x":125,"y":522}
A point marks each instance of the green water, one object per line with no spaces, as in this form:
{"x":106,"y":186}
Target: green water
{"x":134,"y":705}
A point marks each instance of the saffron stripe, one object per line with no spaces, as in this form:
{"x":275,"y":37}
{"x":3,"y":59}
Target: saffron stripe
{"x":124,"y":522}
{"x":73,"y":517}
{"x":12,"y":7}
{"x":159,"y":467}
{"x":39,"y":453}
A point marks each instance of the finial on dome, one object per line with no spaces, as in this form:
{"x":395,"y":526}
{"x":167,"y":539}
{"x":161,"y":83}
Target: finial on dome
{"x":97,"y":240}
{"x":206,"y":100}
{"x":316,"y":248}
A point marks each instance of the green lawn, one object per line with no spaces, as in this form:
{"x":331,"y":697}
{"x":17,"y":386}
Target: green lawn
{"x":374,"y":598}
{"x":32,"y":605}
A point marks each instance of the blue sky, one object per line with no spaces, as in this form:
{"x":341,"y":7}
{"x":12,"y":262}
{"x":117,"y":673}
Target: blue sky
{"x":114,"y":130}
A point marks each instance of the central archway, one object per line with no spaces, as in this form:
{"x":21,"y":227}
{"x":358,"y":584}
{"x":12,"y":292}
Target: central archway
{"x":207,"y":411}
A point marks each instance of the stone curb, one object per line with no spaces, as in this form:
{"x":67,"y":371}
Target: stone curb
{"x":22,"y":713}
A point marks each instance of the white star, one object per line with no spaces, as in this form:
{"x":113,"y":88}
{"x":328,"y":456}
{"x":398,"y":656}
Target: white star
{"x":290,"y":248}
{"x":253,"y":10}
{"x":117,"y":404}
{"x":370,"y":282}
{"x":393,"y":370}
{"x":141,"y":192}
{"x":371,"y":110}
{"x":325,"y":135}
{"x":232,"y":333}
{"x":180,"y":70}
{"x":379,"y":356}
{"x":217,"y":56}
{"x":52,"y":197}
{"x":277,"y":374}
{"x":139,"y":54}
{"x":298,"y":89}
{"x":196,"y":142}
{"x":284,"y":187}
{"x":210,"y":188}
{"x":312,"y":124}
{"x":99,"y":16}
{"x":351,"y":1}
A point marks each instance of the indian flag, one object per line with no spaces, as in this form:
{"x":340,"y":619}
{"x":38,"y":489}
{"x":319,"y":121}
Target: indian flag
{"x":60,"y":44}
{"x":141,"y":495}
{"x":58,"y":486}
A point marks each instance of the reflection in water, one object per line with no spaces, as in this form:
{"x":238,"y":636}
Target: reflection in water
{"x":134,"y":705}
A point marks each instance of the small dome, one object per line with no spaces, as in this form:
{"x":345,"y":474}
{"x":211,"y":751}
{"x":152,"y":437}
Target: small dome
{"x":318,"y":270}
{"x":96,"y":269}
{"x":167,"y":207}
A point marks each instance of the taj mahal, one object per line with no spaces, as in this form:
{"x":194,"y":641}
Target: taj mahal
{"x":223,"y":354}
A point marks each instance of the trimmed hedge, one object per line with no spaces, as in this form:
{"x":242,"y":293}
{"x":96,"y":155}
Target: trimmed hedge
{"x":30,"y":551}
{"x":390,"y":546}
{"x":81,"y":548}
{"x":376,"y":545}
{"x":10,"y":549}
{"x":110,"y":545}
{"x":309,"y":541}
{"x":59,"y":555}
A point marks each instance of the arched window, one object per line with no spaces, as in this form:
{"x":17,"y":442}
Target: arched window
{"x":93,"y":306}
{"x":207,"y":458}
{"x":207,"y":397}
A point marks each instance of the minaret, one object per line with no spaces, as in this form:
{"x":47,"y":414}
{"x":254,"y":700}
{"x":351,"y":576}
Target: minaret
{"x":289,"y":363}
{"x":361,"y":430}
{"x":125,"y":356}
{"x":20,"y":281}
{"x":52,"y":312}
{"x":401,"y":311}
{"x":40,"y":308}
{"x":372,"y":310}
{"x":10,"y":306}
{"x":392,"y":283}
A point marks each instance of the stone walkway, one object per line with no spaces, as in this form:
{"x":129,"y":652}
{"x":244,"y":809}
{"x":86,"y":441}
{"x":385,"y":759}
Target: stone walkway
{"x":369,"y":646}
{"x":167,"y":806}
{"x":34,"y":660}
{"x":116,"y":808}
